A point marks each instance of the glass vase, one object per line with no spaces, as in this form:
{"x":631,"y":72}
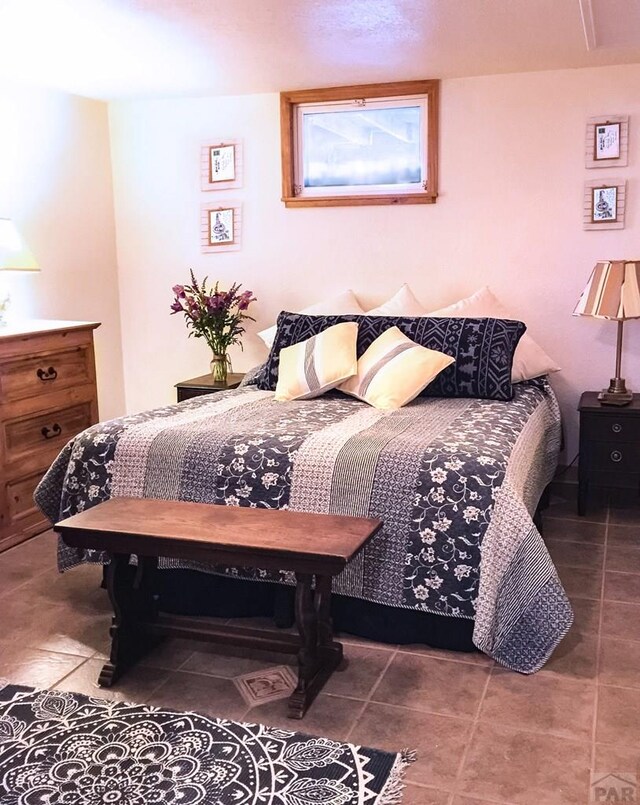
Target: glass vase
{"x":219,"y":368}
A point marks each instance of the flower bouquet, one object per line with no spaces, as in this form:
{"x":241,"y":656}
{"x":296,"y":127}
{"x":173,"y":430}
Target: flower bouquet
{"x":215,"y":315}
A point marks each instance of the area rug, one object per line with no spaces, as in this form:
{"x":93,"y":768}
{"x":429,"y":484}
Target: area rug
{"x":59,"y":748}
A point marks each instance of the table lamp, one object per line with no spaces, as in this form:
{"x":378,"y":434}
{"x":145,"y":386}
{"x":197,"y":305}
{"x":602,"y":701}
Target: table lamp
{"x":613,"y":292}
{"x":14,"y":256}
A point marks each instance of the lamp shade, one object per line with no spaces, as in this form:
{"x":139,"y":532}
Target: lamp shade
{"x":14,"y":253}
{"x":613,"y":291}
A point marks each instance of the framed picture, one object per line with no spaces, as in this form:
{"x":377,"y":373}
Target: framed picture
{"x":221,"y":165}
{"x":220,"y":227}
{"x":607,"y":141}
{"x":604,"y":204}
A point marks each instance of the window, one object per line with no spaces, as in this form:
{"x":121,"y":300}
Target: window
{"x":372,"y":144}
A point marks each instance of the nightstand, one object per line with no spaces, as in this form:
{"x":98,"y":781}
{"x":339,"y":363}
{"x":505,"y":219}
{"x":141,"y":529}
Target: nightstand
{"x":205,"y":384}
{"x":609,"y":445}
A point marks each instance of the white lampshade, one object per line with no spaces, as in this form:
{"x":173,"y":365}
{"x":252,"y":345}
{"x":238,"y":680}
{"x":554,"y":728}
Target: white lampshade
{"x":15,"y":255}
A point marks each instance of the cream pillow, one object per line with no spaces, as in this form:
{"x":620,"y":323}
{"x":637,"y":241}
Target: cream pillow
{"x":342,"y":304}
{"x":394,"y":370}
{"x":402,"y":303}
{"x":529,"y":360}
{"x":320,"y":363}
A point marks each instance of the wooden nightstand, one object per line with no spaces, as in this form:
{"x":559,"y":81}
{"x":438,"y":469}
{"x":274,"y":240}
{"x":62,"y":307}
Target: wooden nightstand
{"x":205,"y":384}
{"x":609,"y":445}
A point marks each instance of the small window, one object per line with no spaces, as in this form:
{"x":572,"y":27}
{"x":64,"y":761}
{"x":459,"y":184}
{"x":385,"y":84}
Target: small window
{"x":378,"y":148}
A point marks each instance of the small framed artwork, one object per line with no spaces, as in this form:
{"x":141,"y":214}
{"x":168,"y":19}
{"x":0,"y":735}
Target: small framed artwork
{"x":221,"y":165}
{"x":220,"y":227}
{"x":604,"y":204}
{"x":607,"y":141}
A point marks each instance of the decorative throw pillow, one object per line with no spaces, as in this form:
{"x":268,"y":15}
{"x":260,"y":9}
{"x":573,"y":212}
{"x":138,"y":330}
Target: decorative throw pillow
{"x":342,"y":303}
{"x":393,"y":370}
{"x":322,"y":362}
{"x":482,"y":348}
{"x":530,"y":359}
{"x":402,"y":303}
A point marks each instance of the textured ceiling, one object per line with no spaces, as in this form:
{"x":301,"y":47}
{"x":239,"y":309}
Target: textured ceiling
{"x":136,"y":48}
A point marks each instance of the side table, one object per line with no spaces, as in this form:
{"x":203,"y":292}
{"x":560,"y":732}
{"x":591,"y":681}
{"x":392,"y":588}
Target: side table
{"x":609,"y":445}
{"x":205,"y":384}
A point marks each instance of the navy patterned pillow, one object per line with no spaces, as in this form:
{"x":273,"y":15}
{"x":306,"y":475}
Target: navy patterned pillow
{"x":483,"y":349}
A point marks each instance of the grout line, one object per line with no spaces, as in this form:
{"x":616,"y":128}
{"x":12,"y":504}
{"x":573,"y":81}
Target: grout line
{"x":375,"y":686}
{"x":596,"y":697}
{"x":77,"y":668}
{"x":472,"y":732}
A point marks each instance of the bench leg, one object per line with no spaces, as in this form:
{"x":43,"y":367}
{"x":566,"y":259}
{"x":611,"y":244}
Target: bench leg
{"x":130,"y":591}
{"x":319,"y":654}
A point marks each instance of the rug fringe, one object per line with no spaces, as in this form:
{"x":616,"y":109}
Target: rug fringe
{"x":393,"y":789}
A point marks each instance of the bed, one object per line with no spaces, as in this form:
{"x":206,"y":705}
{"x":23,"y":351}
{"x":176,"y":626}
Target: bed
{"x":455,"y":481}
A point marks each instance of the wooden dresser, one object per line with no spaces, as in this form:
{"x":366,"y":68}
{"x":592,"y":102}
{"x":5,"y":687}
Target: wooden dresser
{"x":47,"y":396}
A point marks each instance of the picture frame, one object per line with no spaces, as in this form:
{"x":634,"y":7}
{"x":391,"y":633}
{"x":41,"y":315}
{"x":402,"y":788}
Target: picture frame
{"x":220,"y":227}
{"x":221,"y":165}
{"x":604,"y":204}
{"x":607,"y":141}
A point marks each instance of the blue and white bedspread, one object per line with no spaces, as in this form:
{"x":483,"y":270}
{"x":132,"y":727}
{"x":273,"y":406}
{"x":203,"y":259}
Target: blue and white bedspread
{"x":455,"y":481}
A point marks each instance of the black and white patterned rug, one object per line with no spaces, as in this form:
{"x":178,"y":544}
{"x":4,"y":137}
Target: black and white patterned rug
{"x":59,"y":748}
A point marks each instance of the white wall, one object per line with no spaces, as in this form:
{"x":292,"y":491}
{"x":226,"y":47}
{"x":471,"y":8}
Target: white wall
{"x":55,"y":182}
{"x":509,"y":214}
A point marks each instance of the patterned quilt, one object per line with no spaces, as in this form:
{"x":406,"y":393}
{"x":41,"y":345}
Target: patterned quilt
{"x":455,"y":482}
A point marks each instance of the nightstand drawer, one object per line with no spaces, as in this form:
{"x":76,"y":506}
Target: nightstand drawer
{"x":44,"y":432}
{"x":41,"y":374}
{"x":614,"y":457}
{"x":611,"y":428}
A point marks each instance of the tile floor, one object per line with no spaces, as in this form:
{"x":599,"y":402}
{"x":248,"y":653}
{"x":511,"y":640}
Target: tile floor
{"x":483,"y":734}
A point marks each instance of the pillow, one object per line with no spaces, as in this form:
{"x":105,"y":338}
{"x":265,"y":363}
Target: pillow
{"x":402,"y":303}
{"x":344,"y":302}
{"x":482,"y":348}
{"x":393,"y":370}
{"x":311,"y":367}
{"x":530,"y":359}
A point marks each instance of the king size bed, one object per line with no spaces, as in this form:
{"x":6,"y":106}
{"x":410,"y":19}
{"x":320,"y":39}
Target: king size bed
{"x":456,"y":479}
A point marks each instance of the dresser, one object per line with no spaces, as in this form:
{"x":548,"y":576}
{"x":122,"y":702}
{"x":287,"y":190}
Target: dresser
{"x":47,"y":396}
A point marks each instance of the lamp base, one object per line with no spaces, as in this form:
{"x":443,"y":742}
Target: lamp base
{"x":616,"y":394}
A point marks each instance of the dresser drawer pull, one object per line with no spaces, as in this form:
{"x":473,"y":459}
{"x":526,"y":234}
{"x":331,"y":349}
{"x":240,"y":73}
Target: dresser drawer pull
{"x":616,"y":456}
{"x":52,"y":432}
{"x":47,"y":374}
{"x":616,"y":428}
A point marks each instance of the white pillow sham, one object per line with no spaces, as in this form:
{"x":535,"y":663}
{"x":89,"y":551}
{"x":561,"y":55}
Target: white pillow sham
{"x":344,"y":303}
{"x":529,"y":360}
{"x":402,"y":303}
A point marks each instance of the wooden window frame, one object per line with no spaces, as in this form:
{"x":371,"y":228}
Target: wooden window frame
{"x":289,"y":102}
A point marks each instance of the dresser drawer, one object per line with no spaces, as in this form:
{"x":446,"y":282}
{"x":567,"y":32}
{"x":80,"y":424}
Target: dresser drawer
{"x":34,"y":375}
{"x":611,"y":428}
{"x":44,"y":432}
{"x":20,"y":496}
{"x":614,"y":457}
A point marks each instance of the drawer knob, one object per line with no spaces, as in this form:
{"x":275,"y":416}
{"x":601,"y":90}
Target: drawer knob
{"x":616,"y":427}
{"x":47,"y":374}
{"x":616,"y":456}
{"x":52,"y":432}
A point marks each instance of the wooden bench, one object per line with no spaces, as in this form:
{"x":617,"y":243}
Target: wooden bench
{"x":315,"y":547}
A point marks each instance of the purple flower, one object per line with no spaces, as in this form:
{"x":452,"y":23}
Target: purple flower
{"x":178,"y":291}
{"x":176,"y":307}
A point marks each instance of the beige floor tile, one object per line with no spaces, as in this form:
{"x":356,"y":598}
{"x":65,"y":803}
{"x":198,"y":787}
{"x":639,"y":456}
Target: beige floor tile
{"x":581,"y":531}
{"x":40,"y":669}
{"x":200,"y":694}
{"x":329,"y":716}
{"x":438,"y":740}
{"x":432,"y":685}
{"x":625,"y":508}
{"x":420,"y":795}
{"x":623,"y":536}
{"x":473,"y":657}
{"x":624,"y":559}
{"x":618,"y":721}
{"x":581,"y":582}
{"x":465,"y":800}
{"x":230,"y":661}
{"x":610,"y":758}
{"x":575,"y":657}
{"x":622,"y":587}
{"x":136,"y":685}
{"x":576,"y":554}
{"x":362,"y":672}
{"x":586,"y":615}
{"x":524,"y":768}
{"x":78,"y":589}
{"x":544,"y":704}
{"x":620,"y":663}
{"x":621,"y":620}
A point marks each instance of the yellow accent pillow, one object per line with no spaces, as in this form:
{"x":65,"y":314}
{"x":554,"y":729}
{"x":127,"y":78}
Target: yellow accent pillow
{"x":394,"y":370}
{"x":320,"y":363}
